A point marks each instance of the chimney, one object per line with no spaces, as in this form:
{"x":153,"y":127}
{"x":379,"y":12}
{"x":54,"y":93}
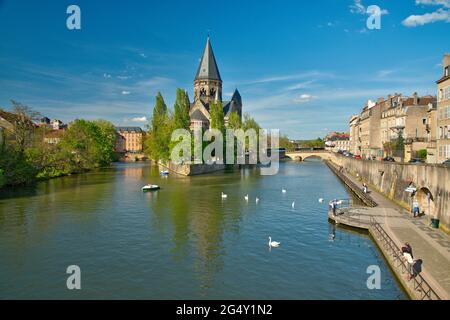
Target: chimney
{"x":416,"y":98}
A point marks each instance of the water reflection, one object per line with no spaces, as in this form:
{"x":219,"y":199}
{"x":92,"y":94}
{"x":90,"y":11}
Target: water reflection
{"x":183,"y":241}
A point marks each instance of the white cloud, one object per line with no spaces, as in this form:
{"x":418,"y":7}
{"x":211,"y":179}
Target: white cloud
{"x":303,"y":98}
{"x":126,"y":93}
{"x":441,"y":14}
{"x":139,"y":119}
{"x":384,"y":73}
{"x":143,"y":55}
{"x":444,"y":3}
{"x":358,"y":8}
{"x":123,"y":77}
{"x":106,"y":75}
{"x":306,"y":75}
{"x":420,"y":20}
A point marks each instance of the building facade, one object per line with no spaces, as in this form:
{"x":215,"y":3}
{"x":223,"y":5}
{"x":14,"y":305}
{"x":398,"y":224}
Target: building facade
{"x":208,"y":89}
{"x":355,"y":146}
{"x":443,"y":113}
{"x":337,"y":141}
{"x":133,"y":139}
{"x":374,"y":133}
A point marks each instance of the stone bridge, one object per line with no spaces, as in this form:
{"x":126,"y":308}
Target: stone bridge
{"x":304,"y":154}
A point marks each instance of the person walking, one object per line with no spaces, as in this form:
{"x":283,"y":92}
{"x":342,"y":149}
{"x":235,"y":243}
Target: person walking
{"x":409,"y":261}
{"x":408,"y":249}
{"x":334,"y":207}
{"x":416,"y":208}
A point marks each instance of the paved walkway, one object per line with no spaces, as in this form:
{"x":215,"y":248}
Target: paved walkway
{"x":430,"y":245}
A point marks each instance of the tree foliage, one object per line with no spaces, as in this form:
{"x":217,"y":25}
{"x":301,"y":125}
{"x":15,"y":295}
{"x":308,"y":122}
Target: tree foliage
{"x":157,"y":143}
{"x":181,"y":110}
{"x":26,"y":156}
{"x":234,"y":121}
{"x":217,"y":116}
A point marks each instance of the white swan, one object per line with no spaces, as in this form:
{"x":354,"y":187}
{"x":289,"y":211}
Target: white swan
{"x":293,"y":205}
{"x":246,"y":198}
{"x":224,"y":196}
{"x":284,"y":190}
{"x":321,"y":200}
{"x":273,"y":244}
{"x":257,"y":200}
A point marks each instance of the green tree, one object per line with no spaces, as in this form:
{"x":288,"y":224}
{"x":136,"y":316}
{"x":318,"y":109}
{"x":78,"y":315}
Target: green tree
{"x":399,"y":146}
{"x":250,"y":123}
{"x":217,"y":116}
{"x":2,"y":179}
{"x":286,"y":143}
{"x":234,"y":121}
{"x":422,"y":154}
{"x":106,"y":141}
{"x":159,"y":113}
{"x":90,"y":144}
{"x":23,"y":125}
{"x":181,"y":111}
{"x":157,"y":143}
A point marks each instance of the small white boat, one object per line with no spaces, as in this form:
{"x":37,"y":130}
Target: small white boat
{"x":164,"y":173}
{"x":150,"y":187}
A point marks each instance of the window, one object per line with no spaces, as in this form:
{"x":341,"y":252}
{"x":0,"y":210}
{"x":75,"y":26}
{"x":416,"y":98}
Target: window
{"x":446,"y":71}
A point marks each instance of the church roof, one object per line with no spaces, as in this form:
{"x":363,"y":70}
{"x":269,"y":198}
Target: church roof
{"x":197,"y":115}
{"x":207,"y":68}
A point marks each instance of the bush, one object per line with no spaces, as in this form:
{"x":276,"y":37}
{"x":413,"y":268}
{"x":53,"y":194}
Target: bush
{"x":2,"y":178}
{"x":422,"y":154}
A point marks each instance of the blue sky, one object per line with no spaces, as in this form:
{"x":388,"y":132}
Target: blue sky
{"x":301,"y":66}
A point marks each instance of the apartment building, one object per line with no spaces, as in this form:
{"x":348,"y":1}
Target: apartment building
{"x":443,"y":113}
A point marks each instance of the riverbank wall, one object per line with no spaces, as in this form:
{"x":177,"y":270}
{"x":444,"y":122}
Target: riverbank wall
{"x":192,"y":169}
{"x":432,"y":183}
{"x":389,"y":229}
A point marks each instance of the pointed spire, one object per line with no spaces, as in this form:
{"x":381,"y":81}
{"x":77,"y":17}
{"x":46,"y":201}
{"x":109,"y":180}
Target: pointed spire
{"x":208,"y":66}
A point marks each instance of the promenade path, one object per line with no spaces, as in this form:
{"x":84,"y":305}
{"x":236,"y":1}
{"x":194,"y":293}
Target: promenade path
{"x":429,"y":244}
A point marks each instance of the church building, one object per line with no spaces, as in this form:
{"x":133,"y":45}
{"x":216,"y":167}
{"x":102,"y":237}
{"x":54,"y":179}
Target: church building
{"x":207,"y":89}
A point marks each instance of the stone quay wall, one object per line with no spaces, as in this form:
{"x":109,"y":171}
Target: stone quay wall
{"x":392,"y":179}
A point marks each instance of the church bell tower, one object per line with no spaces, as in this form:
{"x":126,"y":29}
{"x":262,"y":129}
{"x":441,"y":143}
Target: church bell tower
{"x":207,"y":83}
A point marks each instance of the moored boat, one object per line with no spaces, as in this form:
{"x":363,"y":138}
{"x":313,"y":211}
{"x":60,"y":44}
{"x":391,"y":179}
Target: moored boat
{"x":150,"y":187}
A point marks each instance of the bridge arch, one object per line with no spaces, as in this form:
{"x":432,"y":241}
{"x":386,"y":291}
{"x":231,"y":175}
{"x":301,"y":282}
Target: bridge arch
{"x":302,"y":155}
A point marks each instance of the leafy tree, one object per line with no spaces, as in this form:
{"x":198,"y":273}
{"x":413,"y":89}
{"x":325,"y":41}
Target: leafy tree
{"x":89,"y":143}
{"x":250,"y":123}
{"x":422,"y":154}
{"x":286,"y":143}
{"x":181,"y":111}
{"x":157,"y":144}
{"x":106,"y":141}
{"x":217,"y":116}
{"x":23,"y":125}
{"x":159,"y":113}
{"x":234,"y":121}
{"x":2,"y":179}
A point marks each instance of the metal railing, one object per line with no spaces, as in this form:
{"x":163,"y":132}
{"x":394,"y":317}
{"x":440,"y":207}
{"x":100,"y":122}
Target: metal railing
{"x":356,"y":189}
{"x":419,"y":285}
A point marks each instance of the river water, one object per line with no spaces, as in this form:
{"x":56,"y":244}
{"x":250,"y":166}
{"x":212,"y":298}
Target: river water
{"x":184,"y":241}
